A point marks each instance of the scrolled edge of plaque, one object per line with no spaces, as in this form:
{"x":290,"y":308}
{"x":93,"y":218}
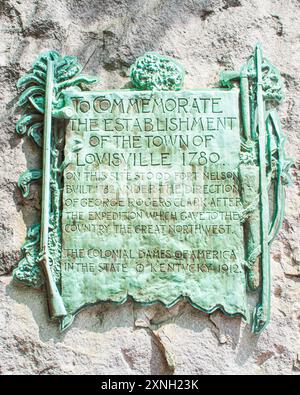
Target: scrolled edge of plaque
{"x":263,"y":167}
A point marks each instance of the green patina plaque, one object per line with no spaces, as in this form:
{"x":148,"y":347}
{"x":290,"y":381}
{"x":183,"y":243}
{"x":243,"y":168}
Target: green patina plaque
{"x":151,"y":204}
{"x":155,"y":193}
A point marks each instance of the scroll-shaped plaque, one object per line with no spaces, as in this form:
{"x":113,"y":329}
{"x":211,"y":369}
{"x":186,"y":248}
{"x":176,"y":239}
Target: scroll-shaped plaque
{"x":154,"y":193}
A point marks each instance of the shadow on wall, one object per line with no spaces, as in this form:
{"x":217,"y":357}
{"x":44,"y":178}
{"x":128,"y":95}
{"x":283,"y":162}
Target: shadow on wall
{"x":134,"y":27}
{"x":118,"y":35}
{"x":106,"y":317}
{"x":111,"y":34}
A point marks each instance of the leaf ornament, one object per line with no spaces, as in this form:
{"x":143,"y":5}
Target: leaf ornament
{"x":32,"y":99}
{"x":26,"y":178}
{"x":26,"y":121}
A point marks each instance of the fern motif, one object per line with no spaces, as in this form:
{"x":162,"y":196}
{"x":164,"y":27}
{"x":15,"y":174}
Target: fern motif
{"x":32,"y":100}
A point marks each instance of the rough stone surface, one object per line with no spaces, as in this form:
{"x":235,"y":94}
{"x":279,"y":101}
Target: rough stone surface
{"x":108,"y":35}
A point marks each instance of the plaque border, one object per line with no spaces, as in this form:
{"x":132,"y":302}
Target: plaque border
{"x":45,"y":111}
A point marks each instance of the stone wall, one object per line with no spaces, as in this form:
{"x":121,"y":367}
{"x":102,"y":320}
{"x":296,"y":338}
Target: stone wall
{"x":107,"y":36}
